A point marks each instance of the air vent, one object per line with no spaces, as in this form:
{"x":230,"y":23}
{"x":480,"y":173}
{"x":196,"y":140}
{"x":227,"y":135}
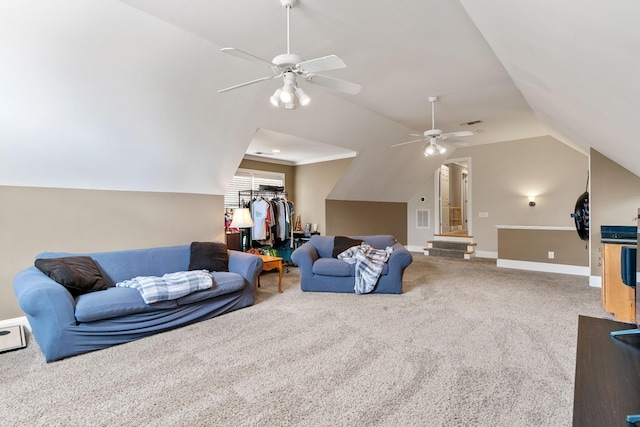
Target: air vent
{"x":422,"y":218}
{"x":471,"y":123}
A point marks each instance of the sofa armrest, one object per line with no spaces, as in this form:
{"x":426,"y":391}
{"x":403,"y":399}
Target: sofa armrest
{"x":49,"y":306}
{"x":304,"y":257}
{"x":247,"y":265}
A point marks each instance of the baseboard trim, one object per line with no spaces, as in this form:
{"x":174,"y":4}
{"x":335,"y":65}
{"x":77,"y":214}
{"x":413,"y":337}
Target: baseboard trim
{"x":575,"y":270}
{"x":486,"y":254}
{"x":595,"y":281}
{"x":15,"y":322}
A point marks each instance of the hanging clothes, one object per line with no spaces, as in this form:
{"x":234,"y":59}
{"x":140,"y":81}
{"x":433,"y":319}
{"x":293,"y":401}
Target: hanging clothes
{"x":259,"y":214}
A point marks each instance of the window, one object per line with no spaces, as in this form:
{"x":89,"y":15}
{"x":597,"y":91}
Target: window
{"x":246,"y":179}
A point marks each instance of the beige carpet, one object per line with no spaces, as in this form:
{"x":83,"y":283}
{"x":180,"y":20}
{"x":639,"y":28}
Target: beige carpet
{"x":466,"y":344}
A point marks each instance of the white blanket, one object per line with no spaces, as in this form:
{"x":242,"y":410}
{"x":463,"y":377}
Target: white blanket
{"x":369,"y":264}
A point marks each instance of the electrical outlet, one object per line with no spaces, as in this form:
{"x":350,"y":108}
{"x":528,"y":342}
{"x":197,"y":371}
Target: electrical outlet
{"x":551,"y":255}
{"x":483,"y":214}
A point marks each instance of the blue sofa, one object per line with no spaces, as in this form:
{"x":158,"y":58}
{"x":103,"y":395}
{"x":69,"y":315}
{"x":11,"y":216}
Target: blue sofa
{"x":321,"y":272}
{"x":64,"y":325}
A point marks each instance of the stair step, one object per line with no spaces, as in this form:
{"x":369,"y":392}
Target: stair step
{"x":442,"y":244}
{"x":446,"y":253}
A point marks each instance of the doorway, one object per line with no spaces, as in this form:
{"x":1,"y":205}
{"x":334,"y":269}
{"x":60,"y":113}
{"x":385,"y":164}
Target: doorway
{"x":453,"y":181}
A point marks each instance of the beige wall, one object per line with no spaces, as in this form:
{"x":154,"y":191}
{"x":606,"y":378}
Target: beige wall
{"x":35,"y":220}
{"x":314,"y":182}
{"x":614,"y":199}
{"x":311,"y":185}
{"x":353,"y":218}
{"x":533,"y":245}
{"x":501,"y":177}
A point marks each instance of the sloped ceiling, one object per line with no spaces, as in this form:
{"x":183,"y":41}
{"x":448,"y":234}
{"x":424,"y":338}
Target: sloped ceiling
{"x":574,"y":63}
{"x":121,"y":94}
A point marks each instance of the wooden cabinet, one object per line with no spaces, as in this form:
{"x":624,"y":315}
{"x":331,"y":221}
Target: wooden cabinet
{"x":233,"y":241}
{"x":617,"y":298}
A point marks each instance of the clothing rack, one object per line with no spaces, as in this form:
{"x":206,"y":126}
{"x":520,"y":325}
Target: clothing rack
{"x":284,"y":246}
{"x":246,"y":196}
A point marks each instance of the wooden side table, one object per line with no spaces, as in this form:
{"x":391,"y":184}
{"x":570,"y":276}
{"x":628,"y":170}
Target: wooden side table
{"x":268,"y":264}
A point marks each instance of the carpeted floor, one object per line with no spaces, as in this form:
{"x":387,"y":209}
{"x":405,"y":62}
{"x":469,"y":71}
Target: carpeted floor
{"x":466,"y":344}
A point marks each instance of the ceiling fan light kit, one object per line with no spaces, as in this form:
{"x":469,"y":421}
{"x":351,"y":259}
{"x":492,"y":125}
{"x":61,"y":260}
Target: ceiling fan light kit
{"x":433,"y":135}
{"x":289,"y":66}
{"x":432,"y":147}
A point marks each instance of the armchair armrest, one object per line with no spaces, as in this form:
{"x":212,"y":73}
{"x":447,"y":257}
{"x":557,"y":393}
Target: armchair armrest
{"x":399,"y":259}
{"x":304,"y":257}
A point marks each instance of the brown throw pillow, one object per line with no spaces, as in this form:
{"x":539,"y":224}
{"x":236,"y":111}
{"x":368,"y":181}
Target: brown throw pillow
{"x":342,"y":243}
{"x":211,"y":256}
{"x":79,"y":274}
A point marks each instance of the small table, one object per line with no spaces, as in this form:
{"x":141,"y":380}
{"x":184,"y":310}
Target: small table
{"x":268,"y":264}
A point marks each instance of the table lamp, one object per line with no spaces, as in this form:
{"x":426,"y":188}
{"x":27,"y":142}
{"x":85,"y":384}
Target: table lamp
{"x":242,"y":219}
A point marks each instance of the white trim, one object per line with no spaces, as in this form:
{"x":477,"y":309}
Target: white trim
{"x":576,"y":270}
{"x":448,"y":238}
{"x":535,"y":227}
{"x":487,"y":254}
{"x":15,"y":322}
{"x":595,"y":281}
{"x":415,"y":248}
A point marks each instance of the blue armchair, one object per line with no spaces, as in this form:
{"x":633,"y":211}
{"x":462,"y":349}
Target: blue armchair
{"x":321,"y":272}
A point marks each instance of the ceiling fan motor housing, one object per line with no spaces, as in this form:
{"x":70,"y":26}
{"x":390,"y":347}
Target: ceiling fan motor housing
{"x":432,"y":132}
{"x":288,"y":3}
{"x":287,"y":61}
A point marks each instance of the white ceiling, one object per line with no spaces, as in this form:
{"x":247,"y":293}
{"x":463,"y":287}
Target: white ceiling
{"x":568,"y":69}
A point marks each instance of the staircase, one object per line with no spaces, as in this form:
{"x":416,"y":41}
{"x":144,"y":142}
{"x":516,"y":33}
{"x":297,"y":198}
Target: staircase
{"x":451,"y":246}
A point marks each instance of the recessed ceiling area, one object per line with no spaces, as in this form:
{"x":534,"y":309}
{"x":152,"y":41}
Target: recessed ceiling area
{"x":292,"y":150}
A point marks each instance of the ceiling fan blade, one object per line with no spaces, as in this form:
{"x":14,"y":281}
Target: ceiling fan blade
{"x":337,"y":84}
{"x":246,"y":56}
{"x":417,"y":134}
{"x":458,"y":142}
{"x":247,"y":83}
{"x":456,"y":134}
{"x":408,"y":142}
{"x":326,"y":63}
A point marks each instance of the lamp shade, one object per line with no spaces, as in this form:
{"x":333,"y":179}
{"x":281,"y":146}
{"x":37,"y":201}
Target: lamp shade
{"x":241,"y":219}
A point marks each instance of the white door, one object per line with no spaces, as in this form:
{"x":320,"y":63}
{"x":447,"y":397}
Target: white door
{"x":444,"y":199}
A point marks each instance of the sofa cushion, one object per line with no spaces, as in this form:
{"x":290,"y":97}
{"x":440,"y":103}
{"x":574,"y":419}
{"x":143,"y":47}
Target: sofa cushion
{"x":114,"y":302}
{"x":224,"y":282}
{"x":323,"y":245}
{"x":333,"y":267}
{"x":210,"y":256}
{"x":79,"y":274}
{"x":342,"y":243}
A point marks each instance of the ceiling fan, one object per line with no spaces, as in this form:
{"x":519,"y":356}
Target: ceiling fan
{"x":433,"y":135}
{"x":289,"y":66}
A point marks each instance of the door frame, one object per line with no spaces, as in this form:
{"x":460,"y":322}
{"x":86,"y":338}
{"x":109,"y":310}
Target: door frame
{"x":438,"y":201}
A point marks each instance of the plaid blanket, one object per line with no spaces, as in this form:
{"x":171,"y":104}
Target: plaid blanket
{"x":369,"y":264}
{"x":170,"y":286}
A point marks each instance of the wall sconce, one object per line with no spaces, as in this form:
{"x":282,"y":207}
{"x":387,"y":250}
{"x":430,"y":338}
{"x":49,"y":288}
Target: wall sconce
{"x":532,"y":201}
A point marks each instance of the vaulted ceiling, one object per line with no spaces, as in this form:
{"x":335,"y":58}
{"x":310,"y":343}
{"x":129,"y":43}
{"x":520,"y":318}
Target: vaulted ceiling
{"x":569,"y":69}
{"x":134,"y":83}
